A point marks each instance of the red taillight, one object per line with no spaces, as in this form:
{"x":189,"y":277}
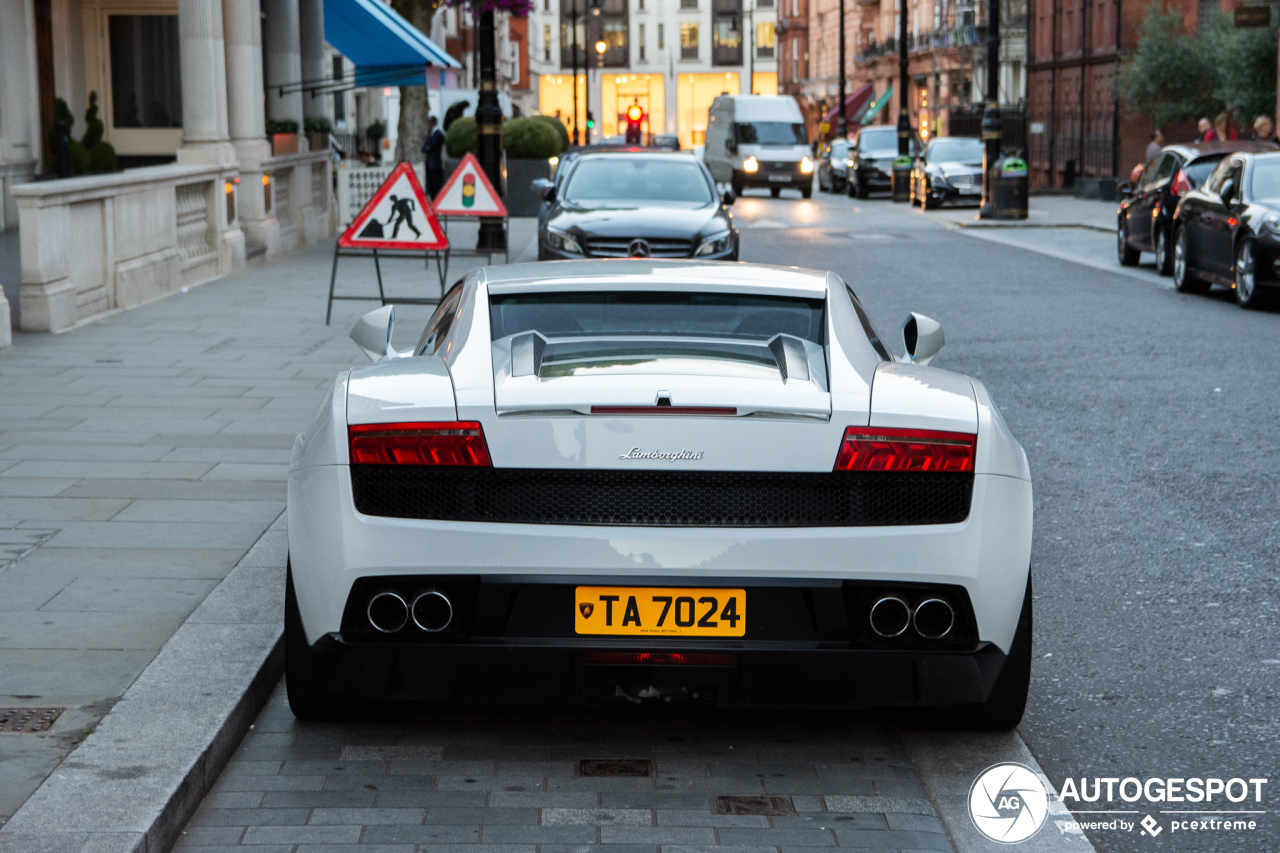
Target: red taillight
{"x":661,"y":658}
{"x":453,"y":443}
{"x":884,"y":449}
{"x":1181,"y":186}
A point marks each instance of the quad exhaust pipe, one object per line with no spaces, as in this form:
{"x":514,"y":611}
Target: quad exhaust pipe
{"x":431,"y":611}
{"x":932,"y":618}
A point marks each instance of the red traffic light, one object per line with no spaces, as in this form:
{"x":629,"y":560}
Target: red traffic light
{"x":634,"y":113}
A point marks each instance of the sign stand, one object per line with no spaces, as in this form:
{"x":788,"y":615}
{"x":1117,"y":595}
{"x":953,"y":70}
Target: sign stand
{"x":398,"y":203}
{"x":469,"y":195}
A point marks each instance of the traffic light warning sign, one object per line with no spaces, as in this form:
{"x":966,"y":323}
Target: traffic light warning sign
{"x":397,"y":217}
{"x":469,"y":193}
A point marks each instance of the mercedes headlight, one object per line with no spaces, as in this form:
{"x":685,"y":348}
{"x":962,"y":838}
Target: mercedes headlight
{"x":1272,"y":222}
{"x":562,"y":242}
{"x":721,"y":241}
{"x":806,"y":166}
{"x":751,"y":164}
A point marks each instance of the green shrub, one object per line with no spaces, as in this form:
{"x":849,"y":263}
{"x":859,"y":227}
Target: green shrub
{"x":102,"y":157}
{"x":94,"y":129}
{"x":529,"y":139}
{"x":281,"y":125}
{"x":462,"y":138}
{"x":561,"y":131}
{"x":77,"y":157}
{"x":316,"y":125}
{"x":61,"y":113}
{"x":378,"y":130}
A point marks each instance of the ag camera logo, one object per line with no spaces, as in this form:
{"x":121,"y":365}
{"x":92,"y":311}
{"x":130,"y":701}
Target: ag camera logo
{"x":1008,"y":803}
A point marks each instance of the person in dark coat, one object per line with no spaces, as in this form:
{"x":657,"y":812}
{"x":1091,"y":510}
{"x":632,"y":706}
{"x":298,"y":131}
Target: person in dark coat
{"x":433,"y":147}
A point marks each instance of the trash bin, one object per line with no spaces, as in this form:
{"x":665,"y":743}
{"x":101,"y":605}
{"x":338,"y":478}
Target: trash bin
{"x":902,"y":178}
{"x":1009,"y":188}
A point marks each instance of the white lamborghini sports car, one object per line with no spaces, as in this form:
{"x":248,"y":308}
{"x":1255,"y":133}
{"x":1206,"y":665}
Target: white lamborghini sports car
{"x":631,"y":480}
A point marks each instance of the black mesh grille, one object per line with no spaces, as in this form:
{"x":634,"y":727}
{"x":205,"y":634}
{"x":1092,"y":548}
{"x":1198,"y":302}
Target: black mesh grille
{"x":661,"y":498}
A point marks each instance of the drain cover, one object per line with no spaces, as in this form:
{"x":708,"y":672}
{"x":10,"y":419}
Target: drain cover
{"x":615,"y":767}
{"x":767,"y":806}
{"x":25,"y":721}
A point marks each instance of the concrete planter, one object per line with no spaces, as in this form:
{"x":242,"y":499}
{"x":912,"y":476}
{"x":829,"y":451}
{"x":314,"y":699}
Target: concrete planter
{"x":284,"y":143}
{"x":522,"y":199}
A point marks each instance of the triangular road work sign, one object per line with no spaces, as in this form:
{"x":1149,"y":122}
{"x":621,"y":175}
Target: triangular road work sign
{"x":469,"y":193}
{"x":397,"y":217}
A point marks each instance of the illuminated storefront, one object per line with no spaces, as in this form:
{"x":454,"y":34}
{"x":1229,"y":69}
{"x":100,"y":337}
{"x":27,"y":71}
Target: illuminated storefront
{"x":620,"y":91}
{"x":765,"y":83}
{"x":555,"y":98}
{"x":694,"y":94}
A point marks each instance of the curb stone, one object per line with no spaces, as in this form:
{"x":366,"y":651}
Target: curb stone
{"x":133,"y":783}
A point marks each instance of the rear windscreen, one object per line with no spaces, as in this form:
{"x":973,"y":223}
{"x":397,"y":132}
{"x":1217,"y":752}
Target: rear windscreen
{"x":663,"y":314}
{"x":1200,"y":168}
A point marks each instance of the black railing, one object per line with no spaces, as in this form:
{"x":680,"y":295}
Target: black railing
{"x":967,"y":121}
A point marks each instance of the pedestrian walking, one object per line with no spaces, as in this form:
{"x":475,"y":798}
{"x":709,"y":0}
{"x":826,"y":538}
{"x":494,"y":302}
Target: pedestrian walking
{"x":1264,"y":129}
{"x":1221,"y":131}
{"x":1154,"y":146}
{"x":433,"y":147}
{"x":1204,"y":130}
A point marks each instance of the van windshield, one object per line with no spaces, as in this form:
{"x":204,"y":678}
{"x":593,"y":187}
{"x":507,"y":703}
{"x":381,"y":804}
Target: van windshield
{"x":770,"y":133}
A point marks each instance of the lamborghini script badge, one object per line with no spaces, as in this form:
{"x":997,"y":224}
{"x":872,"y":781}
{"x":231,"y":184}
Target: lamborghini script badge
{"x":677,"y":456}
{"x":586,"y":609}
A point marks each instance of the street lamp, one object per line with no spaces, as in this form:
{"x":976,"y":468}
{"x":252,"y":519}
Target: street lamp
{"x":843,"y":124}
{"x":904,"y":121}
{"x":489,"y":130}
{"x":573,"y":23}
{"x":991,"y":115}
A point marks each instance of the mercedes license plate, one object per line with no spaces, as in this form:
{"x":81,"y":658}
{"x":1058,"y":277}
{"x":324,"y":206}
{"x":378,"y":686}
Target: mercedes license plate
{"x":782,"y":179}
{"x":660,"y":612}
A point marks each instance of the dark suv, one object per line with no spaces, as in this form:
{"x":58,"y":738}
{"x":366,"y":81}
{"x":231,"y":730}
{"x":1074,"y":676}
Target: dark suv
{"x":871,"y":158}
{"x":1145,"y":220}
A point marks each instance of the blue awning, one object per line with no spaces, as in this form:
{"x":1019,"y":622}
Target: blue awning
{"x":386,"y":49}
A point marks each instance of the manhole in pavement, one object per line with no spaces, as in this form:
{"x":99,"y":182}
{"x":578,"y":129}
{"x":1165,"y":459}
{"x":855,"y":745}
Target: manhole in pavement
{"x":26,"y":721}
{"x":615,"y":767}
{"x":767,"y":806}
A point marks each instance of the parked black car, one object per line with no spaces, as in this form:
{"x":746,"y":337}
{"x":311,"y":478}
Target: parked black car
{"x":871,"y":159}
{"x":833,"y":161}
{"x":1227,"y":230}
{"x":1145,"y":217}
{"x":949,"y":169}
{"x":637,"y":204}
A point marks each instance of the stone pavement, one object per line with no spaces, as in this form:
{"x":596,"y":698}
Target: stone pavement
{"x":1043,"y":211}
{"x":510,"y":780}
{"x":141,"y":456}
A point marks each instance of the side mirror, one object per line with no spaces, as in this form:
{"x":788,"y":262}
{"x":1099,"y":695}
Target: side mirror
{"x":372,"y":333}
{"x":1228,"y":191}
{"x":1125,"y":189}
{"x":923,"y":338}
{"x":731,"y":146}
{"x":728,"y":198}
{"x":541,"y":185}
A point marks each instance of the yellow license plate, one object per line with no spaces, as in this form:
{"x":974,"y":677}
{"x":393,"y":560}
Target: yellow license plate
{"x":649,"y":612}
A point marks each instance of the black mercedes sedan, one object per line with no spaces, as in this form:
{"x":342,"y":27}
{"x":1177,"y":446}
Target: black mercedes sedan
{"x":1145,"y":217}
{"x":637,"y":204}
{"x":949,"y":169}
{"x":1227,"y":230}
{"x":871,"y":157}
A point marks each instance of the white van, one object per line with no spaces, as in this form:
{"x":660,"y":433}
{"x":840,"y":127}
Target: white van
{"x":758,"y":141}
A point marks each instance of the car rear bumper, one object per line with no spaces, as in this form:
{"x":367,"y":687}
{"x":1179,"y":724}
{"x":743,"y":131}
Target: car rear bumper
{"x":560,"y":673}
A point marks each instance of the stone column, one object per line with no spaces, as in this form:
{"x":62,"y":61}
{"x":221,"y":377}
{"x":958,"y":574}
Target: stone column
{"x":242,"y":32}
{"x":205,"y":137}
{"x":311,"y":38}
{"x":284,"y":60}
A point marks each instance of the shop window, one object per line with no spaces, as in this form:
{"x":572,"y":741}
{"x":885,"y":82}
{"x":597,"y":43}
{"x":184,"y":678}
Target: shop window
{"x":765,"y":39}
{"x":146,"y":83}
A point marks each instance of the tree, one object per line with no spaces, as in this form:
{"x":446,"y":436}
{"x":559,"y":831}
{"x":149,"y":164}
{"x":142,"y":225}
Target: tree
{"x":412,"y":127}
{"x":1245,"y":68}
{"x":1169,"y":77}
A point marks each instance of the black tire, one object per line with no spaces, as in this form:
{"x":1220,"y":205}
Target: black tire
{"x":305,"y":674}
{"x":775,"y":191}
{"x":806,"y":192}
{"x":927,"y":202}
{"x":1184,"y":280}
{"x":1248,"y":294}
{"x":861,"y":189}
{"x":1008,"y":699}
{"x":736,"y":185}
{"x":1125,"y":254}
{"x":1164,"y":257}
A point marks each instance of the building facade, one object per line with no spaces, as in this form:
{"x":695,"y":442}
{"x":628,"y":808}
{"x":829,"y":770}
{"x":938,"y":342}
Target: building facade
{"x":183,"y":88}
{"x":670,"y":57}
{"x":793,"y":46}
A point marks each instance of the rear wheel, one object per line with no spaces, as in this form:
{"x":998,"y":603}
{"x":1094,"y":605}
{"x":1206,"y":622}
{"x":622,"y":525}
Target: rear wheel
{"x":1008,"y":699}
{"x":305,"y":674}
{"x":1164,"y":257}
{"x":1126,"y":254}
{"x":1184,"y":279}
{"x":1247,"y":295}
